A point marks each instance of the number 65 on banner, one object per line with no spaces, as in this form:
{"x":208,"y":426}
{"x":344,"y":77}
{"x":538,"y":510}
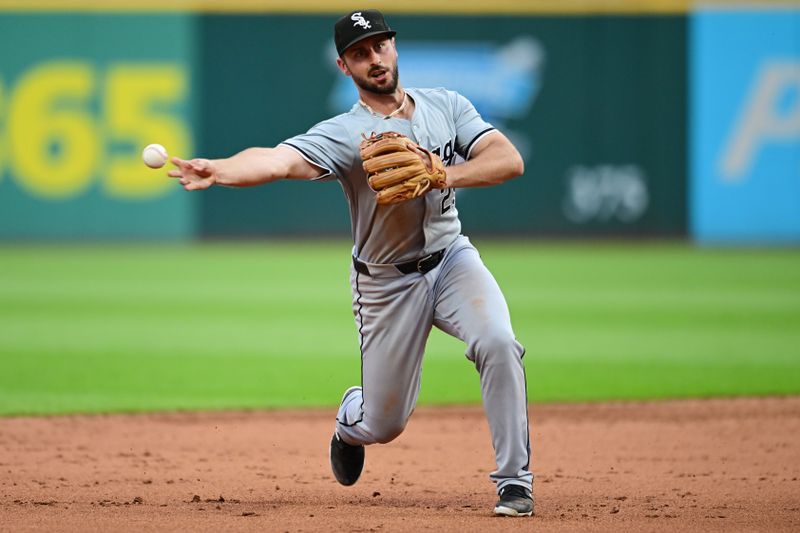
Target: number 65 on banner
{"x":65,"y":124}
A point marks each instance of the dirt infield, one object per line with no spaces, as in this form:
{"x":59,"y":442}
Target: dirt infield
{"x":711,"y":465}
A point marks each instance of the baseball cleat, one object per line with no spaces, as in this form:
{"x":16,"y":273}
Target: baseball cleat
{"x":347,"y":461}
{"x":515,"y":500}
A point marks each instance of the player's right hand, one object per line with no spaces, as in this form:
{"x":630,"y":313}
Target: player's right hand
{"x":194,"y":174}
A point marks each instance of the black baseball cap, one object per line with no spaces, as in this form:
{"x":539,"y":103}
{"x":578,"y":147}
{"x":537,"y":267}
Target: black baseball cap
{"x":358,"y":25}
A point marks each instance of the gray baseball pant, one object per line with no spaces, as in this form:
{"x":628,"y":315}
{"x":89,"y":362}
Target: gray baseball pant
{"x":394,"y":314}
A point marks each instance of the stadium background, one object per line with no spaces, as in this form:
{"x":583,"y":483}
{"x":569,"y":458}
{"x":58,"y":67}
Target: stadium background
{"x":650,"y":250}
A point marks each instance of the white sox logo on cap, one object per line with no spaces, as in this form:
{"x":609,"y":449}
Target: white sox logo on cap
{"x":357,"y":25}
{"x":360,"y":20}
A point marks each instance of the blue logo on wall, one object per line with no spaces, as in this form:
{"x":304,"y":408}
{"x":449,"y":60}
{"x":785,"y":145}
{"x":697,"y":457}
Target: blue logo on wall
{"x":502,"y":82}
{"x":745,"y":116}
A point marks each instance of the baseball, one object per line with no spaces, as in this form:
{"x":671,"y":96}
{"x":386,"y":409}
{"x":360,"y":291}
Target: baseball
{"x":154,"y":155}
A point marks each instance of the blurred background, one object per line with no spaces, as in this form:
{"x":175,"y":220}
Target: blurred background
{"x":650,"y":250}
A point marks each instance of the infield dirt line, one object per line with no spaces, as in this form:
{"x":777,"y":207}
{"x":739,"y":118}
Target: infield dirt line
{"x":694,"y":465}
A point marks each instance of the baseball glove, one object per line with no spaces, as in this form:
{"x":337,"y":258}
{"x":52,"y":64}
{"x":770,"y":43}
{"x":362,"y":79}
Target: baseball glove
{"x":396,"y":168}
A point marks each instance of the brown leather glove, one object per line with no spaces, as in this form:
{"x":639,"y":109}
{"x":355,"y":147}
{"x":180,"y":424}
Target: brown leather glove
{"x":396,"y":168}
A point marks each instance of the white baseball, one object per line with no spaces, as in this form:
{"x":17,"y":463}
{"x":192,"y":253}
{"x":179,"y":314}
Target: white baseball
{"x":154,"y":155}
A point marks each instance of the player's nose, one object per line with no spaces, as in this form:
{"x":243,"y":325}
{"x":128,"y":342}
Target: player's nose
{"x":375,"y":58}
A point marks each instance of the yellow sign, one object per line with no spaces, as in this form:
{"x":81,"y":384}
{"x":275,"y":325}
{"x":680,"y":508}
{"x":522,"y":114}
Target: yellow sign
{"x":70,"y":123}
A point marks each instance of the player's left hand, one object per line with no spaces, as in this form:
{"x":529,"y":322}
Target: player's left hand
{"x":398,"y":169}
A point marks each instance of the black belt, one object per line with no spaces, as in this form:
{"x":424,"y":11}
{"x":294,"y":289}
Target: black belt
{"x":421,"y":265}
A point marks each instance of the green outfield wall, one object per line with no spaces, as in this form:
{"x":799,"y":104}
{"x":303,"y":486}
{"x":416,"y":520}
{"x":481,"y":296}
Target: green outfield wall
{"x":597,"y":105}
{"x":595,"y":102}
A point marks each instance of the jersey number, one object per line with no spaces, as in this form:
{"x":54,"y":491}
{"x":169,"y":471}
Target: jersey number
{"x":448,"y":199}
{"x":447,"y":154}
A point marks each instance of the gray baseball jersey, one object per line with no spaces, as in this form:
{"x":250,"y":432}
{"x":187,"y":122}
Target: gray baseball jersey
{"x":395,"y":312}
{"x":445,"y":123}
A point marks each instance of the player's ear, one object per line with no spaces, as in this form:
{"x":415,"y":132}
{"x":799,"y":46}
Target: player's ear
{"x":340,"y":62}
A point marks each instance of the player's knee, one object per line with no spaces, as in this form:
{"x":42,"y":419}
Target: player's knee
{"x":388,"y":431}
{"x":496,"y":345}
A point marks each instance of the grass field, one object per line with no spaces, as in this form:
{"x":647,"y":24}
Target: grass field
{"x":268,"y":324}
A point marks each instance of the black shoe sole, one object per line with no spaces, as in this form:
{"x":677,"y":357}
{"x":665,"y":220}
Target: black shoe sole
{"x":347,"y":461}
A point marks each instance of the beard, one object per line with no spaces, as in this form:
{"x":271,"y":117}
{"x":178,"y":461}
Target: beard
{"x":368,"y":85}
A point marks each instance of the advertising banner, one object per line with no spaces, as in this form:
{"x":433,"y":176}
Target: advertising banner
{"x":596,"y":105}
{"x":80,"y":96}
{"x":745,"y":142}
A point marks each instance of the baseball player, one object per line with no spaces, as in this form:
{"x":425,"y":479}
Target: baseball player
{"x":399,"y":155}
